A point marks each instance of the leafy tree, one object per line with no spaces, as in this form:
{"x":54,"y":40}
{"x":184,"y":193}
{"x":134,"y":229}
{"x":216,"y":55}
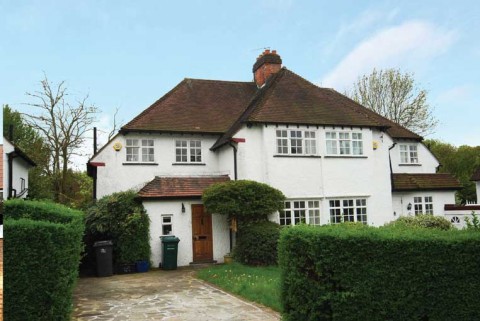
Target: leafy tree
{"x":27,"y":139}
{"x":62,"y":125}
{"x":247,"y":201}
{"x":459,"y":161}
{"x":395,"y":95}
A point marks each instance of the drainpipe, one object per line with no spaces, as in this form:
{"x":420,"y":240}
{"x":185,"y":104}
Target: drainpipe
{"x":10,"y":175}
{"x":236,"y":177}
{"x":390,"y":161}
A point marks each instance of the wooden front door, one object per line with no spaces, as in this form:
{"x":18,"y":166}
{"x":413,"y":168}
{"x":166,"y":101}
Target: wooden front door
{"x":202,"y":234}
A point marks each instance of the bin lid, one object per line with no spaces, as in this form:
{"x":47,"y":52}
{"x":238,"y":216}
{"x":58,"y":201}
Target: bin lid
{"x":102,"y":243}
{"x":169,"y":239}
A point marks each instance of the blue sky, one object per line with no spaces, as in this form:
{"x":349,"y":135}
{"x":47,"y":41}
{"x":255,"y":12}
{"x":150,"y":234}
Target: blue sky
{"x":127,"y":54}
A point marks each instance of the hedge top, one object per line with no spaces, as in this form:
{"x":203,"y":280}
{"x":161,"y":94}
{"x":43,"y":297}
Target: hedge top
{"x":41,"y":211}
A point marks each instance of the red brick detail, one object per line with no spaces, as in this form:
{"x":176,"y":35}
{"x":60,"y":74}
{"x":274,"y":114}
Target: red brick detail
{"x":238,"y":140}
{"x":267,"y":64}
{"x":97,"y":164}
{"x":453,"y":207}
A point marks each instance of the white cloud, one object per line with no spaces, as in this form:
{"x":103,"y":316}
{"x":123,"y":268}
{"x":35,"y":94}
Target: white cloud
{"x":409,"y":44}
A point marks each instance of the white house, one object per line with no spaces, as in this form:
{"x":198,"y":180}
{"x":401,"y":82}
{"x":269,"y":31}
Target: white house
{"x":333,"y":158}
{"x":16,"y":165}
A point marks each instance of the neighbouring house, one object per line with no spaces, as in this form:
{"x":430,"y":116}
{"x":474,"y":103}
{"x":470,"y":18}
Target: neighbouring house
{"x":15,"y":171}
{"x":334,"y":159}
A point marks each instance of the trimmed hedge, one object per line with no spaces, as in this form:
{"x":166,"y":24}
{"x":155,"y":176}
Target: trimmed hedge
{"x":41,"y":259}
{"x":423,"y":221}
{"x":338,"y":272}
{"x":257,"y":243}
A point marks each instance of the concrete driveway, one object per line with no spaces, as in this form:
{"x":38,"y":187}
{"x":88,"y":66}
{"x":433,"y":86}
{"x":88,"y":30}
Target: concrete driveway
{"x":160,"y":295}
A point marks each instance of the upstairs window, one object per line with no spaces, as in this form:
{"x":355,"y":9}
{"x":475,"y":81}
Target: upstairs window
{"x":188,"y":151}
{"x":348,"y":210}
{"x":296,"y":142}
{"x":300,"y":211}
{"x":140,"y":150}
{"x":408,"y":154}
{"x":423,"y":205}
{"x":344,"y":143}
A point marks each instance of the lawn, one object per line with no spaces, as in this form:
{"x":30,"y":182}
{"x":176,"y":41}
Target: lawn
{"x":257,"y":284}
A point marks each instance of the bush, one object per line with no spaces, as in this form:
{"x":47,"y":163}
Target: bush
{"x":423,"y":221}
{"x":120,"y":217}
{"x":473,"y":223}
{"x":41,"y":260}
{"x":338,"y":272}
{"x":257,"y":243}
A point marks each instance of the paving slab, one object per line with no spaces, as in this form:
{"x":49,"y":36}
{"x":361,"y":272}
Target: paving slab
{"x":161,"y":295}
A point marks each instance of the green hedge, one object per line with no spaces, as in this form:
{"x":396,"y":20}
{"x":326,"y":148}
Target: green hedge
{"x":257,"y":243}
{"x":352,"y":273}
{"x":41,"y":260}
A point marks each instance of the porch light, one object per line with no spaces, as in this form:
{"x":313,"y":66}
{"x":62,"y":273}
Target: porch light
{"x":409,"y":206}
{"x":183,"y":208}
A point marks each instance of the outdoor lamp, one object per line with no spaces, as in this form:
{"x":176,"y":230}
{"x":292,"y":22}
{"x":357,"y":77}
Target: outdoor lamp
{"x":409,"y":206}
{"x":183,"y":208}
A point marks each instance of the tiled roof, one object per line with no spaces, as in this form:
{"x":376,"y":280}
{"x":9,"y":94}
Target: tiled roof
{"x":476,"y":175}
{"x":418,"y":182}
{"x":177,"y":187}
{"x":195,"y":105}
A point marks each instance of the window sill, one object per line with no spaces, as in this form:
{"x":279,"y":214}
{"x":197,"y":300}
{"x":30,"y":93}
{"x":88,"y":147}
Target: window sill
{"x":189,"y":164}
{"x":346,"y":156}
{"x":410,"y":164}
{"x":297,"y":156}
{"x":139,"y":163}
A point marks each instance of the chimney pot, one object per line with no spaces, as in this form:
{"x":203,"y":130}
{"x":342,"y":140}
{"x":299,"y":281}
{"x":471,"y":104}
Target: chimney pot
{"x":267,"y":64}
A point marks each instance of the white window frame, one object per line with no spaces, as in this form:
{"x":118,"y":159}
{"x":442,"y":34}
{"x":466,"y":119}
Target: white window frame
{"x":300,"y":211}
{"x":140,"y":150}
{"x":296,"y":142}
{"x":166,"y":220}
{"x":344,"y":143}
{"x":188,"y":151}
{"x":408,"y":153}
{"x":423,"y":205}
{"x":348,"y":210}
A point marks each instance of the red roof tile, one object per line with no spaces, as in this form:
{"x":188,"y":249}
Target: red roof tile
{"x":176,"y":187}
{"x":476,"y":175}
{"x":418,"y":182}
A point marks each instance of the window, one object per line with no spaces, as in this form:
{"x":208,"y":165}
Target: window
{"x":300,"y":211}
{"x":296,"y":142}
{"x":455,"y":220}
{"x":140,"y":150}
{"x":188,"y":151}
{"x":408,"y":154}
{"x":423,"y":205}
{"x":22,"y":184}
{"x":348,"y":210}
{"x":344,"y":143}
{"x":167,"y":224}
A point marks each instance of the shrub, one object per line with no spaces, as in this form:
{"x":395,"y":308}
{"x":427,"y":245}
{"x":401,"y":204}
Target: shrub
{"x":473,"y":223}
{"x":257,"y":243}
{"x":41,"y":255}
{"x":337,"y":272}
{"x":423,"y":221}
{"x":120,"y":217}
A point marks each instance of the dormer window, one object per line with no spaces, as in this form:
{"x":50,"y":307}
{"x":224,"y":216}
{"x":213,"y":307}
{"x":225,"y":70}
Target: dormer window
{"x":140,"y":150}
{"x":408,"y":154}
{"x":296,"y":142}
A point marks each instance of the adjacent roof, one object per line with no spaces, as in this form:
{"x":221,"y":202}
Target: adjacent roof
{"x":223,"y":107}
{"x":17,"y":152}
{"x":420,"y":182}
{"x":179,"y":187}
{"x":476,"y":175}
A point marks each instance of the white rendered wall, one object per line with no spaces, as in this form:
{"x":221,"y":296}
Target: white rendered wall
{"x":427,"y":163}
{"x":182,"y":228}
{"x":477,"y":184}
{"x":20,"y":170}
{"x":115,"y":176}
{"x":439,"y":198}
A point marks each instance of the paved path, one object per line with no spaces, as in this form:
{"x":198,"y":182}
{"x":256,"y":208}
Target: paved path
{"x":160,"y":295}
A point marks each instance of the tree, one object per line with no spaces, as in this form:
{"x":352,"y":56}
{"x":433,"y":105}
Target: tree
{"x":28,"y":140}
{"x":395,"y":95}
{"x":62,"y":125}
{"x":459,"y":161}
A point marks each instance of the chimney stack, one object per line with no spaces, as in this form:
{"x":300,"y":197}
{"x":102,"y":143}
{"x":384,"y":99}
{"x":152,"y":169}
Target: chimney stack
{"x":267,"y":64}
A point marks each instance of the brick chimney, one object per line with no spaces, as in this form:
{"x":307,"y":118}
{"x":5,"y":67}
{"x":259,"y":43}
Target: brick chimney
{"x":267,"y":64}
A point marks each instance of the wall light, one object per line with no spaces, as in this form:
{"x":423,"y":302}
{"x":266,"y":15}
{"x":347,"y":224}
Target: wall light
{"x":409,"y":206}
{"x":183,"y":208}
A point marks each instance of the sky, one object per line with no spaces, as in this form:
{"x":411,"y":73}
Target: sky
{"x":126,"y":54}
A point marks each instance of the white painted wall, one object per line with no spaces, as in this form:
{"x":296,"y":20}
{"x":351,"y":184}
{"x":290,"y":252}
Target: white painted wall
{"x":20,"y":171}
{"x":477,"y":184}
{"x":182,"y":228}
{"x":427,"y":163}
{"x":440,"y":198}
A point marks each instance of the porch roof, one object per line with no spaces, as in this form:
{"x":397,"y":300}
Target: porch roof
{"x":179,"y":186}
{"x":423,"y":182}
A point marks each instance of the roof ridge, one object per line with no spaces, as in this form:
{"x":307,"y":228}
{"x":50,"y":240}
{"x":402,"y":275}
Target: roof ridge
{"x":218,"y":80}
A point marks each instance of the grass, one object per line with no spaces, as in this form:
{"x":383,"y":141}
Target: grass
{"x":257,"y":284}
